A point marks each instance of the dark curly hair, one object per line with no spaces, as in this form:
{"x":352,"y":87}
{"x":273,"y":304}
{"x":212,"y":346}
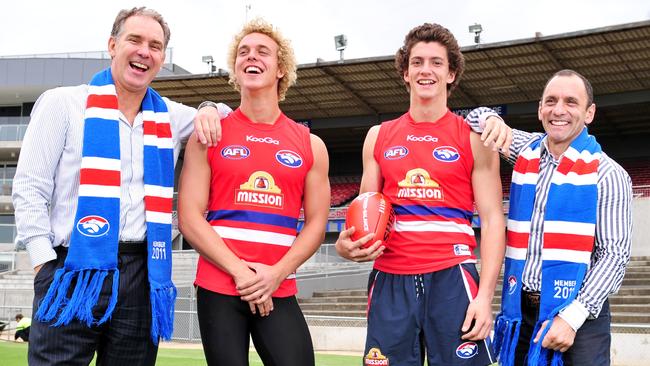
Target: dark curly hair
{"x":428,"y":32}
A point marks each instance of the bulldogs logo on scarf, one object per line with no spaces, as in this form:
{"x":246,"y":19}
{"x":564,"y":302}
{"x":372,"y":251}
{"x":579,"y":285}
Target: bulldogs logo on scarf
{"x":569,"y":227}
{"x":92,"y":255}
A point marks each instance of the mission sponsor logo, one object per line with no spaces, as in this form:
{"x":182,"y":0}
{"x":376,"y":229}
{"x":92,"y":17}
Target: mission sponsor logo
{"x":266,"y":140}
{"x":93,"y":226}
{"x":395,"y":152}
{"x":288,"y":158}
{"x":374,"y":357}
{"x":446,"y":154}
{"x":260,"y":190}
{"x":235,"y":152}
{"x":425,"y":138}
{"x":418,"y":185}
{"x":467,"y":350}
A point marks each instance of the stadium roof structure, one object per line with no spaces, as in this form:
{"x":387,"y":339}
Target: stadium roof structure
{"x":615,"y":59}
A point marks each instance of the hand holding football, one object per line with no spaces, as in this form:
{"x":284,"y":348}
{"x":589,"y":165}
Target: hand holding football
{"x":370,"y":213}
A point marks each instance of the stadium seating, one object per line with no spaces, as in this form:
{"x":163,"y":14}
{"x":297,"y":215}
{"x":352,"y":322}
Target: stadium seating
{"x":344,"y":189}
{"x":639,"y":171}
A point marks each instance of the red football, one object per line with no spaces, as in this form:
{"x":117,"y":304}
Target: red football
{"x":369,"y":213}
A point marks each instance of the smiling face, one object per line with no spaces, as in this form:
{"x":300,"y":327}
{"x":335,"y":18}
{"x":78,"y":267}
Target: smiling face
{"x":428,"y":71}
{"x":137,"y":54}
{"x":256,"y":63}
{"x":564,"y":111}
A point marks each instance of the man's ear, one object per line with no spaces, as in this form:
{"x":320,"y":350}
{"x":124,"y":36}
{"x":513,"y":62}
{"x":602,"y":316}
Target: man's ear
{"x":112,"y":42}
{"x":591,"y":113}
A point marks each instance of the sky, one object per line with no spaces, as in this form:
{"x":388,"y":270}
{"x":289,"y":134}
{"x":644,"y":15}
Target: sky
{"x":373,"y":28}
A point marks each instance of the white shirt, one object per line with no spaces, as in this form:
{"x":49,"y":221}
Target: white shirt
{"x":46,"y":184}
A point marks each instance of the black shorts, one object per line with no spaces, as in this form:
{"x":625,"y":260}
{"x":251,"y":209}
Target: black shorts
{"x":227,"y":324}
{"x":413,"y":315}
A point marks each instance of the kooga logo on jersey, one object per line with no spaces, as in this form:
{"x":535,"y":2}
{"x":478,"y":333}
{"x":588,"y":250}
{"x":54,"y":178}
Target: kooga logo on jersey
{"x":427,"y":138}
{"x":266,"y":140}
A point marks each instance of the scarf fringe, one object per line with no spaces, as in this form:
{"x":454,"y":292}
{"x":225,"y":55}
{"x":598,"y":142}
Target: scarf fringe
{"x":537,"y":355}
{"x":56,"y":305}
{"x":500,"y":328}
{"x":162,"y":312}
{"x":506,"y":341}
{"x":85,"y":312}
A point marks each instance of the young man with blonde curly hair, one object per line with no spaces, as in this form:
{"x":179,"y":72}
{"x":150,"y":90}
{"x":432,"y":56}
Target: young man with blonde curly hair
{"x":253,"y":185}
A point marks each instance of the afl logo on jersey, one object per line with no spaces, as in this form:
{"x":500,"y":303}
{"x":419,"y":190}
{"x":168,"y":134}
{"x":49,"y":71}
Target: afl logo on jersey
{"x":288,"y":158}
{"x":395,"y":152}
{"x":446,"y":154}
{"x":467,"y":350}
{"x":235,"y":152}
{"x":93,"y":226}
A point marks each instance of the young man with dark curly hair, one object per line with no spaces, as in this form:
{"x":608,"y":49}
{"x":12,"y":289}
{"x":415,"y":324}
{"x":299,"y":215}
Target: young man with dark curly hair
{"x":424,"y":293}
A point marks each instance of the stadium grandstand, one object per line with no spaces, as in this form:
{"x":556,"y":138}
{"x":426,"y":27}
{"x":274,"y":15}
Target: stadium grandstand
{"x":339,"y":101}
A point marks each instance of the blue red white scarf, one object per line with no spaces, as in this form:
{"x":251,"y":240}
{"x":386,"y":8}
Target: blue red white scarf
{"x":93,"y":250}
{"x":569,"y":227}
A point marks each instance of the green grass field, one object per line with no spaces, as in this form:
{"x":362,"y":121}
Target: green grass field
{"x":15,"y":354}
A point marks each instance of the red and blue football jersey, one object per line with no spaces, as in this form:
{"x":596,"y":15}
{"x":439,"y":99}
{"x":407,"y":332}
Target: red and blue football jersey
{"x":427,"y":175}
{"x":256,"y":192}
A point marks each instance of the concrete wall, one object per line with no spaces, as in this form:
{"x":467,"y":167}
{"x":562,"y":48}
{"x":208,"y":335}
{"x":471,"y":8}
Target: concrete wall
{"x":641,"y":227}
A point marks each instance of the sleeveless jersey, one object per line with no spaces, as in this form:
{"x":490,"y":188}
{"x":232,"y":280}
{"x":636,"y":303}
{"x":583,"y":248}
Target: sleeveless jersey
{"x":427,"y":169}
{"x":256,"y":190}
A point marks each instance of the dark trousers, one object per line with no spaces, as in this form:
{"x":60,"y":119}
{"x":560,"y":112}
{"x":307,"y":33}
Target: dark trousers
{"x":123,"y":340}
{"x":227,"y":324}
{"x":592,"y":343}
{"x":22,"y":334}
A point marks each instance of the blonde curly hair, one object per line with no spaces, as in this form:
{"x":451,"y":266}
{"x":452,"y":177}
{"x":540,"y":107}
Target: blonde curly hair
{"x":286,"y":57}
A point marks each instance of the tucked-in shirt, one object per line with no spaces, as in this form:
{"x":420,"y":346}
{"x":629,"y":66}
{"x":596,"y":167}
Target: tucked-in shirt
{"x":613,"y":237}
{"x":46,"y":184}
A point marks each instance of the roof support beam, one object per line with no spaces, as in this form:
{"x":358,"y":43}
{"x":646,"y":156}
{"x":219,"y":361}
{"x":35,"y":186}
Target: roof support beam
{"x":558,"y":65}
{"x":466,"y":95}
{"x":620,"y":59}
{"x":349,"y":90}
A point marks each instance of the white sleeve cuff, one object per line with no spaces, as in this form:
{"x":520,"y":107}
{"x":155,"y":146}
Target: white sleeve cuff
{"x":40,"y":251}
{"x":484,"y":116}
{"x":575,"y":314}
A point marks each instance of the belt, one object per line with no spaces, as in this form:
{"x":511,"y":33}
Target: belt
{"x":125,"y":247}
{"x":531,"y":298}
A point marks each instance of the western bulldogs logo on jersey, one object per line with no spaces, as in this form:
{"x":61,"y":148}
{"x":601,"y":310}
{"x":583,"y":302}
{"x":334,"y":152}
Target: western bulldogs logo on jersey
{"x":418,"y":185}
{"x":260,"y":190}
{"x":512,"y":284}
{"x":467,"y":350}
{"x":288,"y":158}
{"x":395,"y":152}
{"x":235,"y":152}
{"x":446,"y":154}
{"x":93,"y":226}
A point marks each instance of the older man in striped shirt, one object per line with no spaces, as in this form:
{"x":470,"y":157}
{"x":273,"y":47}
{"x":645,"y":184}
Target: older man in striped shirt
{"x":579,"y":330}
